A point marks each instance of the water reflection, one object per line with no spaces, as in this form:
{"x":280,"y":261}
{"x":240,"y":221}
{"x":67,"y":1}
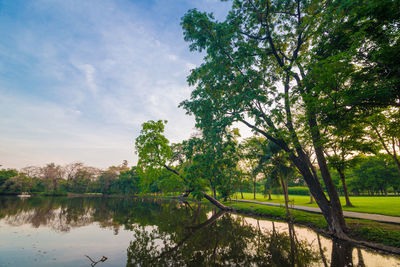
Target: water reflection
{"x":164,"y":233}
{"x":222,"y":240}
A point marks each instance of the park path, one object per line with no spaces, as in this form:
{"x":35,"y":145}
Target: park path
{"x":349,"y":214}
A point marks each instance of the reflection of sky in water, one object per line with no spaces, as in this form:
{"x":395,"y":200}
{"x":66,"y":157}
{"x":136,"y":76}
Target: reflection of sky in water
{"x":27,"y":246}
{"x":43,"y":236}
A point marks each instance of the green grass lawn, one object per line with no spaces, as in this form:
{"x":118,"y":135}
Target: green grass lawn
{"x":379,"y":205}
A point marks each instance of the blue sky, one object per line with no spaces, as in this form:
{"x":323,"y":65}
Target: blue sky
{"x":77,"y":78}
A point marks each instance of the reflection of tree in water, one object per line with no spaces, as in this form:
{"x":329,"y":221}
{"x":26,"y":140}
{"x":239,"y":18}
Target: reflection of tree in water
{"x":222,"y":240}
{"x":175,"y":233}
{"x":60,"y":214}
{"x":342,"y":254}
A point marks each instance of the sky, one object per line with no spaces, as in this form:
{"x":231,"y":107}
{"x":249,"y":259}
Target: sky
{"x":78,"y":78}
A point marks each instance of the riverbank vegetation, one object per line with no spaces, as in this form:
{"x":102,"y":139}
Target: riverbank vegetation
{"x":317,"y":82}
{"x":378,"y":204}
{"x":363,"y":230}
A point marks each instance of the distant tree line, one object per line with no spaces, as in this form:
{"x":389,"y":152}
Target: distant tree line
{"x":55,"y":179}
{"x":367,"y":175}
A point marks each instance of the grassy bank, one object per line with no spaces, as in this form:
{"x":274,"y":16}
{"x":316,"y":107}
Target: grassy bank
{"x":386,"y":234}
{"x":378,"y":205}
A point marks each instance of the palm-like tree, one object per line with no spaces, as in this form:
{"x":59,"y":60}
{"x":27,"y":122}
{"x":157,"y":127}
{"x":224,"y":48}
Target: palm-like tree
{"x":277,"y":169}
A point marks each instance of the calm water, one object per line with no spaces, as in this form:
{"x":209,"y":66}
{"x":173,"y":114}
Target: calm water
{"x":136,"y":232}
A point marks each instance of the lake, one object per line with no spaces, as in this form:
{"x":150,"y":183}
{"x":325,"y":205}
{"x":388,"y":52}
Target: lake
{"x":61,"y":231}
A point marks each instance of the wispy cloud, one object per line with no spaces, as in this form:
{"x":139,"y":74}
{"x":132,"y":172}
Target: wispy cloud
{"x":77,"y":78}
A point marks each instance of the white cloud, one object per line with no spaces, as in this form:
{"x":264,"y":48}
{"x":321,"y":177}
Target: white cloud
{"x":97,"y":70}
{"x":89,"y":72}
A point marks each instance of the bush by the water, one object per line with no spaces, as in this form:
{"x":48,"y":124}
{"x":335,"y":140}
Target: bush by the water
{"x":298,"y":190}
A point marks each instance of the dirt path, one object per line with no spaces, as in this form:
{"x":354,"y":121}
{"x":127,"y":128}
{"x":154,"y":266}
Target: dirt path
{"x":349,"y":214}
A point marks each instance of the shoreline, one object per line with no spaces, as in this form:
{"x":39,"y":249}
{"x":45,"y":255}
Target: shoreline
{"x":362,"y":231}
{"x":357,"y":236}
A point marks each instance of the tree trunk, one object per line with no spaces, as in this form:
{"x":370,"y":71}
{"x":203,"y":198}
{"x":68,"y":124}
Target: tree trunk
{"x":331,"y":209}
{"x":332,"y":214}
{"x":216,"y":202}
{"x":214,"y":192}
{"x":254,"y":187}
{"x":336,"y":219}
{"x":269,"y":194}
{"x":284,"y":186}
{"x":241,"y":192}
{"x":208,"y":197}
{"x":346,"y":192}
{"x":311,"y":199}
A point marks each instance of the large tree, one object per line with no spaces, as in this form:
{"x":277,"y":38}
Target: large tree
{"x":52,"y":174}
{"x":214,"y":158}
{"x":155,"y":155}
{"x":256,"y":71}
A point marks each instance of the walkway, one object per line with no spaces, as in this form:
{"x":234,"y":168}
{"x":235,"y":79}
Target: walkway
{"x":349,"y":214}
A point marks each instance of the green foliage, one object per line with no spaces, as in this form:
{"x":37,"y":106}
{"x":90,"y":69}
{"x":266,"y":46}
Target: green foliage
{"x":170,"y":183}
{"x":6,"y":174}
{"x":18,"y":184}
{"x":106,"y":180}
{"x":280,"y":213}
{"x":256,"y":71}
{"x":376,"y":232}
{"x":152,"y":147}
{"x":214,"y":162}
{"x":128,"y":183}
{"x":202,"y":163}
{"x":362,"y":41}
{"x":80,"y":183}
{"x":374,"y":174}
{"x":299,"y":190}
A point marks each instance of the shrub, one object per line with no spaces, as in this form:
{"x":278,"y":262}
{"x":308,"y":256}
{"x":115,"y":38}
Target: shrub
{"x":298,"y":190}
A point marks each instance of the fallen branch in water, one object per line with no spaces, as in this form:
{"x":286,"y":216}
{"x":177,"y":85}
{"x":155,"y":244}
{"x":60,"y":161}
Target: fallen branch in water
{"x":103,"y":259}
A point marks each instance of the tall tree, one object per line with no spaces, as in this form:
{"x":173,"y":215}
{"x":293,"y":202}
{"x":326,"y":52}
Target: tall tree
{"x":255,"y":71}
{"x":251,"y":150}
{"x":52,"y":174}
{"x":279,"y":169}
